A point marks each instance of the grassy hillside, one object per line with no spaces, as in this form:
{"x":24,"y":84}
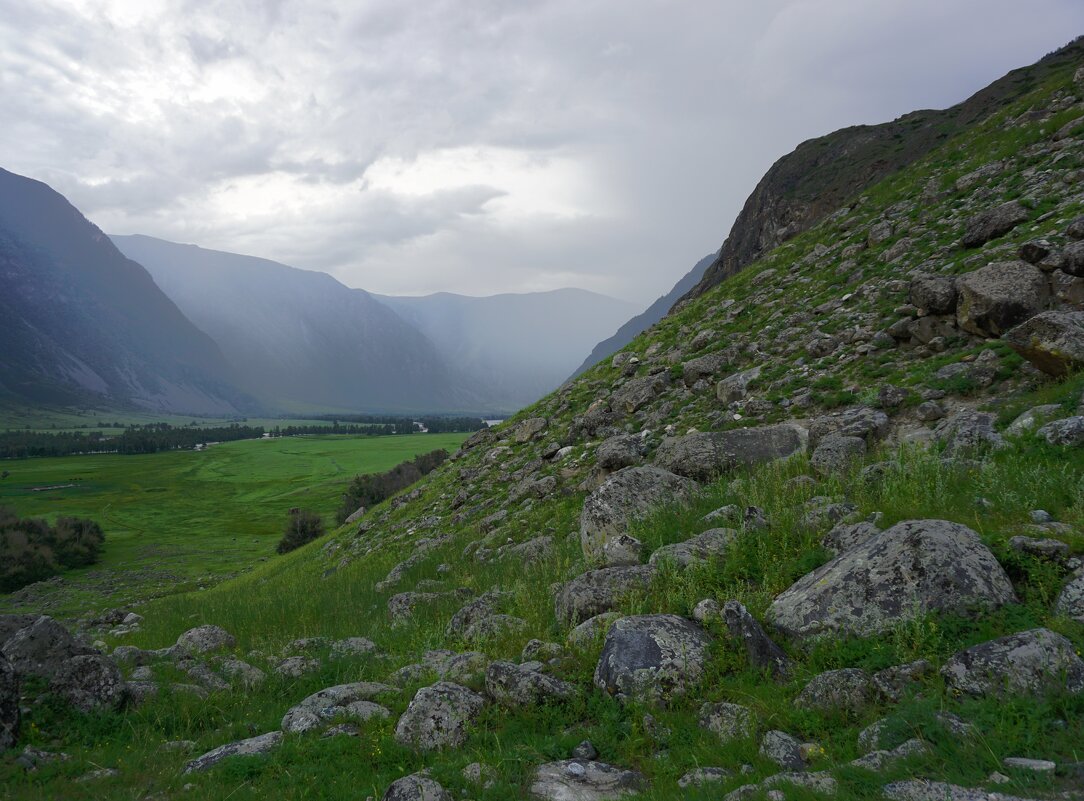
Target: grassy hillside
{"x":182,"y":519}
{"x":810,"y":316}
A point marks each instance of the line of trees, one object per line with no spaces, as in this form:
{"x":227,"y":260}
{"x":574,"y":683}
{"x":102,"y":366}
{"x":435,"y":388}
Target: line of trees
{"x":372,"y":488}
{"x":31,"y":549}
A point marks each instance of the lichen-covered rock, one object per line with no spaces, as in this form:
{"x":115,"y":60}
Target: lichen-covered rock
{"x":845,"y":536}
{"x":651,"y":657}
{"x":911,"y":568}
{"x":621,"y":450}
{"x":933,"y":294}
{"x":1071,"y":599}
{"x":925,"y":790}
{"x":625,"y":496}
{"x":849,"y":690}
{"x":42,"y":648}
{"x":992,"y":223}
{"x":204,"y":639}
{"x":585,"y":780}
{"x":999,"y":296}
{"x":727,"y":721}
{"x":893,"y":683}
{"x":592,"y":630}
{"x":401,"y":606}
{"x":760,"y":650}
{"x":782,"y":749}
{"x":90,"y":682}
{"x":332,"y":702}
{"x":968,"y":432}
{"x":704,"y":454}
{"x":438,"y":717}
{"x":735,"y":387}
{"x":1052,"y":340}
{"x":862,"y":422}
{"x":253,"y":746}
{"x":9,"y":704}
{"x":638,"y":392}
{"x":834,"y":454}
{"x":598,"y":591}
{"x":1068,"y":432}
{"x":703,"y":546}
{"x":494,"y":627}
{"x":1025,"y":663}
{"x":485,"y":605}
{"x":415,"y":787}
{"x":515,"y":685}
{"x":698,"y":777}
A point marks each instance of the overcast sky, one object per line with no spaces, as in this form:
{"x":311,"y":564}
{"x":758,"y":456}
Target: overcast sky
{"x":474,"y":147}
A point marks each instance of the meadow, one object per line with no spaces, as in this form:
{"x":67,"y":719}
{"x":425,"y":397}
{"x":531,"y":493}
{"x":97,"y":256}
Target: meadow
{"x":179,"y":520}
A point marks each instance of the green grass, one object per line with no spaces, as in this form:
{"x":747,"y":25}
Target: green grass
{"x":179,"y":518}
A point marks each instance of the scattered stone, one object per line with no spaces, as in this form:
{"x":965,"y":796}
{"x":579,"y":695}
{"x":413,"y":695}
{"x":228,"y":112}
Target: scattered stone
{"x":879,"y":760}
{"x":651,"y":657}
{"x":727,"y":721}
{"x":702,"y":776}
{"x":736,"y":387}
{"x":1052,"y":340}
{"x":1068,"y":432}
{"x":204,"y":639}
{"x":90,"y":682}
{"x":401,"y":607}
{"x":702,"y":547}
{"x":1070,"y":602}
{"x":863,"y":422}
{"x":598,"y":591}
{"x":707,"y":609}
{"x":761,"y":652}
{"x":485,"y":605}
{"x":783,"y":750}
{"x":585,"y":750}
{"x":354,"y":699}
{"x":415,"y":787}
{"x":294,"y":667}
{"x":585,"y":780}
{"x":968,"y":432}
{"x":933,"y":294}
{"x":911,"y":568}
{"x":1032,"y":418}
{"x":924,"y":790}
{"x":626,"y":495}
{"x":992,"y":223}
{"x":438,"y":717}
{"x":702,"y":455}
{"x":836,"y":453}
{"x":515,"y":685}
{"x":1026,"y":663}
{"x":847,"y":690}
{"x":248,"y":675}
{"x":352,"y":646}
{"x":1048,"y":549}
{"x":342,"y":730}
{"x":999,"y":296}
{"x":622,"y":450}
{"x":253,"y":746}
{"x":31,"y":757}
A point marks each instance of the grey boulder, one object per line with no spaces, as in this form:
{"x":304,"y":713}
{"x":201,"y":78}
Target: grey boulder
{"x":1053,"y":341}
{"x":9,"y":704}
{"x":1026,"y":663}
{"x":836,"y":453}
{"x":331,"y":702}
{"x":999,"y":296}
{"x":704,"y":454}
{"x":1068,"y":432}
{"x":625,"y":496}
{"x":204,"y":639}
{"x":849,"y":690}
{"x":622,"y":450}
{"x":515,"y":685}
{"x":913,"y":567}
{"x":598,"y":591}
{"x":760,"y":650}
{"x":415,"y":787}
{"x":862,"y":422}
{"x":992,"y":223}
{"x":42,"y":648}
{"x":933,"y":294}
{"x":703,"y":546}
{"x":439,"y":717}
{"x":727,"y":721}
{"x":652,"y":657}
{"x":584,"y":780}
{"x":90,"y":682}
{"x":1070,"y":602}
{"x":253,"y":746}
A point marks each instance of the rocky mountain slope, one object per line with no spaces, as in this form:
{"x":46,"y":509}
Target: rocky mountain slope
{"x":81,"y":323}
{"x":518,"y":347}
{"x":816,"y":534}
{"x":297,"y":338}
{"x":647,"y":318}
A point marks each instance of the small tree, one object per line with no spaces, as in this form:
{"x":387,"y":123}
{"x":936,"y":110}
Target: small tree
{"x":301,"y":526}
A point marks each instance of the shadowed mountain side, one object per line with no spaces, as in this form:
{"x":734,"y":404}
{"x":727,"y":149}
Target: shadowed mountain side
{"x":517,"y":346}
{"x":300,"y":337}
{"x":641,"y":322}
{"x":82,"y":323}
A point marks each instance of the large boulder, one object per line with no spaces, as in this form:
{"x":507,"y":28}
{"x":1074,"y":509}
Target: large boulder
{"x":1052,"y":340}
{"x":438,"y":717}
{"x":415,"y":787}
{"x":584,"y":780}
{"x":1025,"y":663}
{"x":704,"y":454}
{"x":911,"y":568}
{"x":862,"y":422}
{"x":253,"y":746}
{"x":10,"y":624}
{"x":969,"y":432}
{"x":598,"y":591}
{"x":204,"y":639}
{"x":999,"y":296}
{"x":42,"y":648}
{"x":515,"y":685}
{"x":651,"y":657}
{"x":9,"y":704}
{"x":1068,"y":432}
{"x":638,"y":392}
{"x":620,"y":450}
{"x":933,"y":294}
{"x":992,"y":223}
{"x":90,"y":682}
{"x":703,"y":546}
{"x":625,"y":496}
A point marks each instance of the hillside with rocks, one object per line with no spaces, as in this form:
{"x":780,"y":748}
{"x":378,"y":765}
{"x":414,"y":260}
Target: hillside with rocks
{"x":818,"y":533}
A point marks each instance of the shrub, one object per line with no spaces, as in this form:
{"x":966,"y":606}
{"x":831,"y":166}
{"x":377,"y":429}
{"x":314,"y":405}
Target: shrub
{"x":369,"y":490}
{"x":302,"y":526}
{"x":32,"y":550}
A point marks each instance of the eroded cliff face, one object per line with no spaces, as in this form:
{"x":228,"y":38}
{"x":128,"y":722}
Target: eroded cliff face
{"x":823,"y":174}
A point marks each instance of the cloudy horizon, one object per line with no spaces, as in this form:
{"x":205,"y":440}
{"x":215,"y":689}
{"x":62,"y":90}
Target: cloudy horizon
{"x":477,"y":147}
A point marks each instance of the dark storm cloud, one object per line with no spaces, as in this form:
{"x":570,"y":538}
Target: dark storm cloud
{"x":470,"y":146}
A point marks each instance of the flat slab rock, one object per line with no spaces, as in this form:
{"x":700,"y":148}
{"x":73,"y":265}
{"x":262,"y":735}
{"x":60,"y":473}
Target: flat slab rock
{"x":912,"y":567}
{"x":921,"y":790}
{"x":253,"y":746}
{"x":704,"y":454}
{"x":1027,"y":662}
{"x":585,"y":780}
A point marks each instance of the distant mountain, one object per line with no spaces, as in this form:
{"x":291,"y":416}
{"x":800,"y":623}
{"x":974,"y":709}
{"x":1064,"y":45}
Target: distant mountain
{"x":297,"y":338}
{"x":643,"y":321}
{"x":80,"y":323}
{"x":515,"y":347}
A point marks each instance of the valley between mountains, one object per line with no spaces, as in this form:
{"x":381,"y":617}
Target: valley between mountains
{"x":817,"y":532}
